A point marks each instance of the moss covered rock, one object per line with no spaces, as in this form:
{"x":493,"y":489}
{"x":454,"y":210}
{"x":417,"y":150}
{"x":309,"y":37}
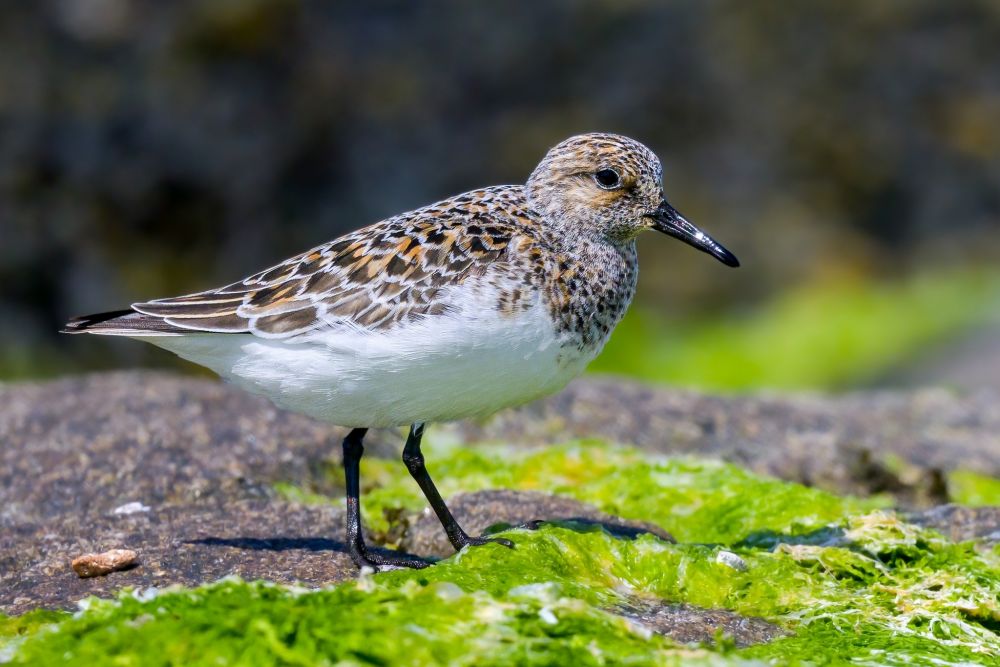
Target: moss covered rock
{"x":207,"y":483}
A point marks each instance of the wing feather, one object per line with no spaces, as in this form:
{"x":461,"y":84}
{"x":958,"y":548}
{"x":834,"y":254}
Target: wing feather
{"x":389,"y":273}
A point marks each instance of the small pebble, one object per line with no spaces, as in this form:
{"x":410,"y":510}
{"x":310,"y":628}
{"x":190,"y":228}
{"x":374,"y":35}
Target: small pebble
{"x":96,"y":565}
{"x":729,"y":559}
{"x":131,"y":508}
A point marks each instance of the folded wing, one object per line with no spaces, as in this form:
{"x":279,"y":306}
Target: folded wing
{"x":375,"y":278}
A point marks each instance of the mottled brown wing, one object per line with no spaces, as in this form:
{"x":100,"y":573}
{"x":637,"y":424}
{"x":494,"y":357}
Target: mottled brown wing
{"x":375,"y":278}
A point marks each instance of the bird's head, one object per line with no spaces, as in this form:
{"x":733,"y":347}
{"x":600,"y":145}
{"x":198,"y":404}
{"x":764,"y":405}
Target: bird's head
{"x":610,"y":185}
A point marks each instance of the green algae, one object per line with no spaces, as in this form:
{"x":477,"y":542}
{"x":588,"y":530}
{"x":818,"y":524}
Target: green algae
{"x":831,"y":333}
{"x":848,"y":582}
{"x":14,"y":629}
{"x":970,"y":488}
{"x":401,"y":618}
{"x":695,"y":500}
{"x":18,"y":626}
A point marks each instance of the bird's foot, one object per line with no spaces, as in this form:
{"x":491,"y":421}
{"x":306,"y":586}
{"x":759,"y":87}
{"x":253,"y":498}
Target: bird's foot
{"x":383,"y":562}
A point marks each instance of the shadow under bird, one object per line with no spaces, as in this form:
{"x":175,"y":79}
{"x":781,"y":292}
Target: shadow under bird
{"x":483,"y":301}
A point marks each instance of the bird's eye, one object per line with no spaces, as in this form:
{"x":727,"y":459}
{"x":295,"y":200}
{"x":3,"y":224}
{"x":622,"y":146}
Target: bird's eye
{"x":608,"y":179}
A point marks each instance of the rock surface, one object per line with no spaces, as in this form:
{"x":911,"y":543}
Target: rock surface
{"x":957,"y":523}
{"x":181,"y":470}
{"x":176,"y":544}
{"x":688,"y":624}
{"x":84,"y":446}
{"x":867,"y":442}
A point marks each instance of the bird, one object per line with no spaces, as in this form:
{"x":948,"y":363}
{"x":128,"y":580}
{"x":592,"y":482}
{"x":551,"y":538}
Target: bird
{"x":485,"y":300}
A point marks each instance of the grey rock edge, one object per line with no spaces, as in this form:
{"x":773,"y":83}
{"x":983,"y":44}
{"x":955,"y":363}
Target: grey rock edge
{"x":190,"y":464}
{"x":866,"y":442}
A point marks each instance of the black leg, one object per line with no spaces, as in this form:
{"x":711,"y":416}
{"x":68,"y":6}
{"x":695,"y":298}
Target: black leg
{"x":414,"y":460}
{"x":362,"y":557}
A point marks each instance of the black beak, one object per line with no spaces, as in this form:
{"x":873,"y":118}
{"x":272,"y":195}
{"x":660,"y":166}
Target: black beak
{"x":669,"y":221}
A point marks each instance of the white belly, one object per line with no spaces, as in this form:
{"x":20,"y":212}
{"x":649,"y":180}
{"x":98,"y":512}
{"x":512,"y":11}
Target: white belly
{"x":467,"y":364}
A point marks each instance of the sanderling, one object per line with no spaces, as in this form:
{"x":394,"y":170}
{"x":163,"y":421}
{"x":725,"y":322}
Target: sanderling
{"x":483,"y":301}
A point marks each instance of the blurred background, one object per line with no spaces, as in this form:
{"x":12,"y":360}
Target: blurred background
{"x":847,"y":152}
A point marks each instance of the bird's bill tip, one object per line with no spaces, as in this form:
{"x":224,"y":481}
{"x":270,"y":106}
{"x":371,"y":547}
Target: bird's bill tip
{"x":726,"y":257}
{"x":666,"y":219}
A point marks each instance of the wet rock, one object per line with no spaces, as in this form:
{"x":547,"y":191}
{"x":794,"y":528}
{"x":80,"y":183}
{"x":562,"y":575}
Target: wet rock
{"x":958,"y":523}
{"x":97,"y":442}
{"x":688,"y":624}
{"x":866,"y":442}
{"x":182,"y":470}
{"x":476,"y":512}
{"x":189,"y":545}
{"x":85,"y":446}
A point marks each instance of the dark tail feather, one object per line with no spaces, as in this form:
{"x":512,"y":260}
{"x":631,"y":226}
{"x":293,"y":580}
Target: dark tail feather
{"x":121,"y":323}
